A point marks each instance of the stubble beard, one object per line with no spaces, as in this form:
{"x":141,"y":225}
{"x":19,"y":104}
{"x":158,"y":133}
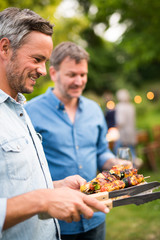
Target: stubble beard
{"x":15,"y":78}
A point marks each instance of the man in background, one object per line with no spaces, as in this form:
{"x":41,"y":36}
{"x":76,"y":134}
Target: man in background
{"x":125,"y":118}
{"x":74,"y":131}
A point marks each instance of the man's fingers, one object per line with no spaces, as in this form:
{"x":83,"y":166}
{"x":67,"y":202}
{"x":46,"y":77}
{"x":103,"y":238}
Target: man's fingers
{"x":96,"y":204}
{"x":76,"y":216}
{"x":86,"y":211}
{"x":127,"y":163}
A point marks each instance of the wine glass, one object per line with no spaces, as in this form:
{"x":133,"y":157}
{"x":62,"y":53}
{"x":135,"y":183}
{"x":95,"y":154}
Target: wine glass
{"x":124,"y":153}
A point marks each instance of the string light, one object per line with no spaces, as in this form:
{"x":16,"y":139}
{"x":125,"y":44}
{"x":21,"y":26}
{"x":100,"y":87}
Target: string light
{"x":110,"y":105}
{"x":150,"y":95}
{"x":138,"y":99}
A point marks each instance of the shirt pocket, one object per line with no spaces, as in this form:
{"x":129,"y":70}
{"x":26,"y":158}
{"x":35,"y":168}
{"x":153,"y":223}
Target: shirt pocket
{"x":17,"y":157}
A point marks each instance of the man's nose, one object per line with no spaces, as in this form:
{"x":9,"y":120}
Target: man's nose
{"x":78,"y":80}
{"x":42,"y":69}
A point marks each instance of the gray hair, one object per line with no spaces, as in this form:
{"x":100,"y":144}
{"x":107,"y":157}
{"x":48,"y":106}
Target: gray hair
{"x":67,"y":49}
{"x":16,"y":24}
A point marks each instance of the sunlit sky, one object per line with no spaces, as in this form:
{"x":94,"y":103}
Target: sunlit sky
{"x":69,"y":8}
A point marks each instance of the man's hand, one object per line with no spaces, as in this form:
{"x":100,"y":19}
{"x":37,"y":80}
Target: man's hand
{"x":125,"y":163}
{"x":67,"y":204}
{"x":114,"y":161}
{"x":73,"y":182}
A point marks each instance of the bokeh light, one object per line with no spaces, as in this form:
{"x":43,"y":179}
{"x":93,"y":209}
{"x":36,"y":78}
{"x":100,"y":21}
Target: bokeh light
{"x":138,"y":99}
{"x":150,"y":95}
{"x":110,"y":104}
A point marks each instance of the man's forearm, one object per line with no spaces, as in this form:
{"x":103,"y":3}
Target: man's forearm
{"x":22,"y":207}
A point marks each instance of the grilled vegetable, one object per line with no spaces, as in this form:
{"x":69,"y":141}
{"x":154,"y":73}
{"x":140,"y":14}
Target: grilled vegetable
{"x":133,"y":180}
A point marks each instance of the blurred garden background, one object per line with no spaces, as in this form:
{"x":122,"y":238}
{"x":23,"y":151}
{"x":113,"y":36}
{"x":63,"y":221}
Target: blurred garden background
{"x":123,"y":40}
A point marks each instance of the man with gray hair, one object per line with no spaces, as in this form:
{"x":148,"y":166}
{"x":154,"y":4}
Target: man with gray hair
{"x":29,"y":201}
{"x":73,"y":130}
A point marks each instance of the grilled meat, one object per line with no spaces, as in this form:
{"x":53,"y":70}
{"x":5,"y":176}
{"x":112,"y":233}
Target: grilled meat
{"x":116,"y":178}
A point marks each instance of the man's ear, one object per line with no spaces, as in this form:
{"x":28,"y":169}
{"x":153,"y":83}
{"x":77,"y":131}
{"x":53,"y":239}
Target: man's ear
{"x":52,"y":73}
{"x":4,"y":47}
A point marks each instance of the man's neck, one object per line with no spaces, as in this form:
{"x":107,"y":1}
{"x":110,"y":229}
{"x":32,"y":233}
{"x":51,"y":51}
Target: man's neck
{"x":71,"y":105}
{"x":4,"y":87}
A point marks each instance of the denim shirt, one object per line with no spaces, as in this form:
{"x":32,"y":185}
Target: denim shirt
{"x":78,"y":148}
{"x":3,"y":202}
{"x":23,"y":168}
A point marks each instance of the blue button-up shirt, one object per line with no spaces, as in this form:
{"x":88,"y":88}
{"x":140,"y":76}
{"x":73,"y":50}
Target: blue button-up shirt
{"x":71,"y":148}
{"x":23,"y":168}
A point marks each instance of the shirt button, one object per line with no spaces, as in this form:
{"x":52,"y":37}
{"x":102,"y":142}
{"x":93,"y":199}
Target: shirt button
{"x":80,"y":167}
{"x":77,"y":147}
{"x":21,"y":114}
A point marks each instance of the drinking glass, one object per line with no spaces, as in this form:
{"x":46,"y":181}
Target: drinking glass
{"x":124,"y":153}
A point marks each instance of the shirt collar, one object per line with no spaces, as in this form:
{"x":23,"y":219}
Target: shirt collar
{"x":53,"y":100}
{"x":80,"y":103}
{"x":4,"y":96}
{"x":57,"y":103}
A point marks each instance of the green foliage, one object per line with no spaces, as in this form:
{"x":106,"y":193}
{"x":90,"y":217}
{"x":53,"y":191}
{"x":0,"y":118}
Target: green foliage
{"x":45,"y":8}
{"x":40,"y":88}
{"x":139,"y":45}
{"x":69,"y":29}
{"x":32,"y":4}
{"x":101,"y":75}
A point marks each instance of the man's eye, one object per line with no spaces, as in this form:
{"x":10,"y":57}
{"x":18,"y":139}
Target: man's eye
{"x":71,"y":75}
{"x":83,"y":75}
{"x":37,"y":59}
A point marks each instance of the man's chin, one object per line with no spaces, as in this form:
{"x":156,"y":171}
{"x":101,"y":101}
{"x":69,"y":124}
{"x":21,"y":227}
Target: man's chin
{"x":28,"y":91}
{"x":76,"y":94}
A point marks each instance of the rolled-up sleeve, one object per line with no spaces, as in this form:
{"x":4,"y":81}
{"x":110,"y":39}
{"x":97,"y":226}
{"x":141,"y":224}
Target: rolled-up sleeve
{"x":104,"y":157}
{"x":3,"y":206}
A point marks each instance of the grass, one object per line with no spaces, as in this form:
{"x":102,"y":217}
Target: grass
{"x":134,"y":222}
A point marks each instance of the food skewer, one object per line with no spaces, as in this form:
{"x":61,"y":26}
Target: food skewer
{"x":121,"y":186}
{"x":118,"y":177}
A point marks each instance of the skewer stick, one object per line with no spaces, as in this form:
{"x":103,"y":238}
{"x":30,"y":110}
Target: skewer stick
{"x":146,"y":177}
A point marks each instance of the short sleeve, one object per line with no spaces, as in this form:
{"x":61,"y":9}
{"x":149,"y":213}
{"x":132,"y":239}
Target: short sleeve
{"x":3,"y":206}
